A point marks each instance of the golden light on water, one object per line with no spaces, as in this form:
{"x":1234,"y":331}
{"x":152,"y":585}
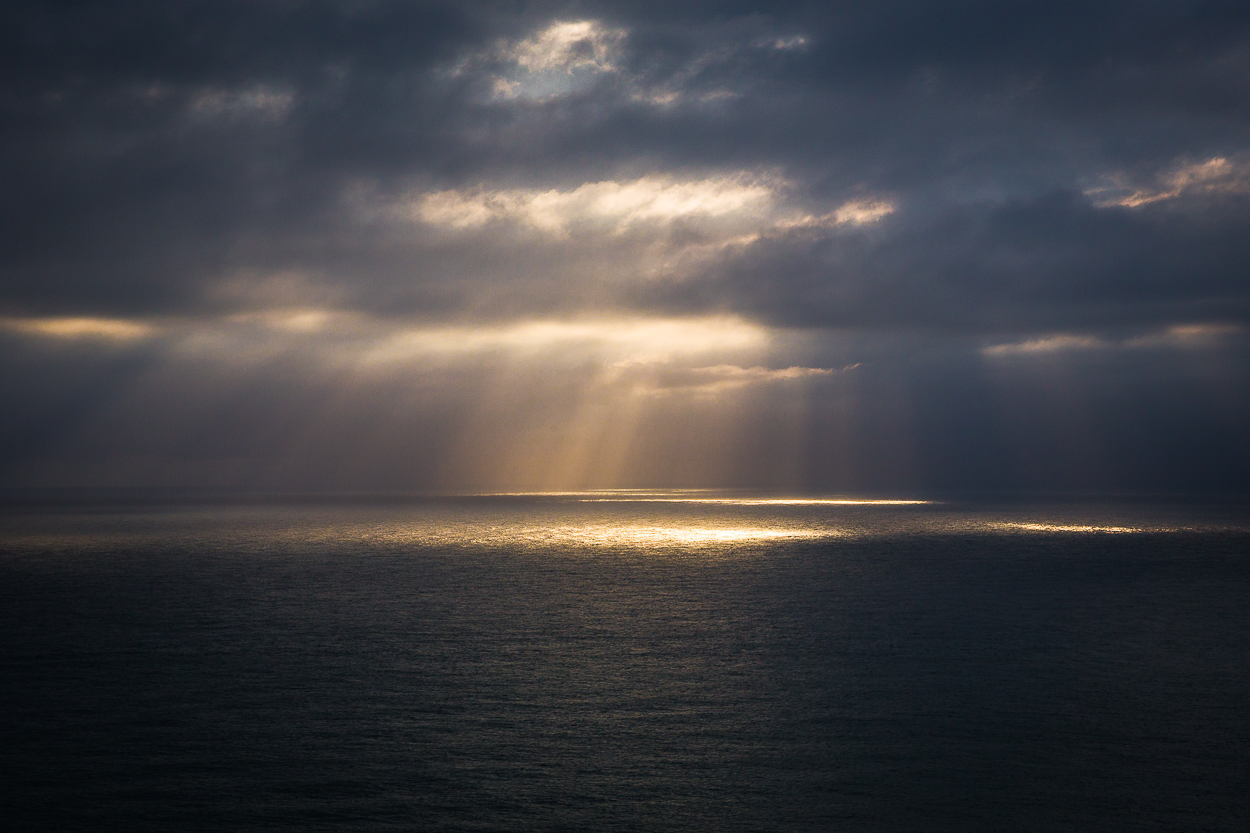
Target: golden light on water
{"x":710,"y":497}
{"x":667,"y":523}
{"x":1026,"y":527}
{"x":650,"y":535}
{"x":449,"y":535}
{"x":605,"y":528}
{"x":568,"y":528}
{"x":757,"y":501}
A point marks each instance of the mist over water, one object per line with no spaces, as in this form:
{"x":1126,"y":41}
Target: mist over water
{"x":626,"y":661}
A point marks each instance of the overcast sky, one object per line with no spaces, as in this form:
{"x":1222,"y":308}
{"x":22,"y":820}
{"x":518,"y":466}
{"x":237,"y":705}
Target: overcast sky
{"x":396,"y":246}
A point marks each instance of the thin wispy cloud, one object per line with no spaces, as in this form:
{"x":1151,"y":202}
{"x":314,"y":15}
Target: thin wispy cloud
{"x":1214,"y":176}
{"x":111,"y":329}
{"x":615,"y":205}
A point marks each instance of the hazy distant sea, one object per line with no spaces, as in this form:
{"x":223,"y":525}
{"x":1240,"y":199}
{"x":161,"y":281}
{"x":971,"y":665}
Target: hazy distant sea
{"x":666,"y":661}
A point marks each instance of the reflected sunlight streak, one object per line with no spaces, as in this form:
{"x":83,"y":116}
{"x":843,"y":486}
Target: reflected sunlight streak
{"x":1023,"y":527}
{"x":728,"y":501}
{"x":610,"y":535}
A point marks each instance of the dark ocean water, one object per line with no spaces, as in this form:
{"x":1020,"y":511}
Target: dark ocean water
{"x":547,"y":663}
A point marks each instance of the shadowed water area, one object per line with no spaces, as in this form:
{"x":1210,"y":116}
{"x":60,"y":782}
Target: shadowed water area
{"x":626,"y":661}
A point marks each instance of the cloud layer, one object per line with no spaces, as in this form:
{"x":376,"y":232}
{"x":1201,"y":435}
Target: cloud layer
{"x":466,"y":245}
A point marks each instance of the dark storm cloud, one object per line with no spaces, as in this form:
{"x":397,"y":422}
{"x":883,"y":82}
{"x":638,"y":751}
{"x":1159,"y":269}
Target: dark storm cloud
{"x":963,"y":200}
{"x":152,"y":147}
{"x":1053,"y":262}
{"x":142,"y":141}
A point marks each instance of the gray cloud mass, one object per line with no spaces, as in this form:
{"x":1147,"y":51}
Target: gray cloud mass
{"x":385,"y":246}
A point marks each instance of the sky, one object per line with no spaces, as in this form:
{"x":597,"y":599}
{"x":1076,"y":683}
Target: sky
{"x":369,"y":246}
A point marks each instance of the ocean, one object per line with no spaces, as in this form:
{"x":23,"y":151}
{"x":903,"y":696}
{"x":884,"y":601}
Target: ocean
{"x":669,"y":661}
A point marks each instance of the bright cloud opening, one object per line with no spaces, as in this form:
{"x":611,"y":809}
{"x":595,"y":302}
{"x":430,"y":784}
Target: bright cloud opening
{"x":556,"y":61}
{"x":619,"y":205}
{"x":637,"y":340}
{"x":742,"y":202}
{"x":567,"y":46}
{"x":112,"y":329}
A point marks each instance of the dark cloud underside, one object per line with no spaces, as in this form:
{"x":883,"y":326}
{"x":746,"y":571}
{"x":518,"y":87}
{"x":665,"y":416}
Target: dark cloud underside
{"x":386,"y":245}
